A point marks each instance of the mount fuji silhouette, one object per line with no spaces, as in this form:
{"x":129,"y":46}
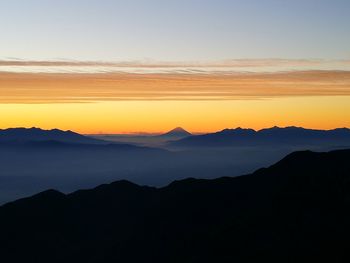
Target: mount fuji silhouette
{"x":176,"y":133}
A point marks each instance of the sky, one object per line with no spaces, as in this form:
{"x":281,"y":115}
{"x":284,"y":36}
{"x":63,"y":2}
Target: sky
{"x":174,"y":30}
{"x":103,"y":66}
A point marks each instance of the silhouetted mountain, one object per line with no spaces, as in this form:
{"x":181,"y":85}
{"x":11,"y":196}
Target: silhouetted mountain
{"x":29,"y":166}
{"x":176,"y":133}
{"x":294,"y":211}
{"x":273,"y":136}
{"x":146,"y":140}
{"x":23,"y":135}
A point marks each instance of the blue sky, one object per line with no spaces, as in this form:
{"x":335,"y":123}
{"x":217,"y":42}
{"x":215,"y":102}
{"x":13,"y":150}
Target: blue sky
{"x":177,"y":30}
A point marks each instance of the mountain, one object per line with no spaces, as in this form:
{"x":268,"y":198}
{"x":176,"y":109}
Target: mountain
{"x":146,"y":140}
{"x":294,"y":136}
{"x":176,"y":133}
{"x":23,"y":135}
{"x":297,"y":210}
{"x":33,"y":160}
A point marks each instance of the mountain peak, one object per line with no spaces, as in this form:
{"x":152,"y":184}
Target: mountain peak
{"x":177,"y":132}
{"x":290,"y":135}
{"x":236,"y":131}
{"x":35,"y":134}
{"x":179,"y":129}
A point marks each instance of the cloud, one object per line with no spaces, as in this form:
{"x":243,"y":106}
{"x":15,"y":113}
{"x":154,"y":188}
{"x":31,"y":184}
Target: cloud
{"x":86,"y":88}
{"x":156,"y":67}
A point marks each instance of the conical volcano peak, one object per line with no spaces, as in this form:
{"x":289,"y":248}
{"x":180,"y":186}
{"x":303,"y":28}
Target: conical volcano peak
{"x":177,"y":132}
{"x":179,"y":129}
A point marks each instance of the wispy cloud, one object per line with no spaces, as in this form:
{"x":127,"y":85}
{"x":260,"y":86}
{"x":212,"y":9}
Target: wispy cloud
{"x":84,"y":88}
{"x":156,"y":67}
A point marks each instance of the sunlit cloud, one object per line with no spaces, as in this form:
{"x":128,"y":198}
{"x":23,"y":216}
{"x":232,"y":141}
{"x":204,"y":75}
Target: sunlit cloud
{"x":232,"y":66}
{"x":86,"y":88}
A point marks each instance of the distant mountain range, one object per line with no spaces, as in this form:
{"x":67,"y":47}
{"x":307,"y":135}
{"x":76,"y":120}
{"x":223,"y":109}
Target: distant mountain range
{"x":23,"y":135}
{"x":32,"y":160}
{"x":272,"y":136}
{"x":297,"y":210}
{"x":182,"y":138}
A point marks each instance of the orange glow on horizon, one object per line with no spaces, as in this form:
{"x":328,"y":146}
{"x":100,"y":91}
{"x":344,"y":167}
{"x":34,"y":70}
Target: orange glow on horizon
{"x":154,"y":103}
{"x":195,"y":116}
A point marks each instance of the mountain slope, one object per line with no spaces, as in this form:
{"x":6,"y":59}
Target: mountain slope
{"x":23,"y":135}
{"x":34,"y":160}
{"x":293,"y":136}
{"x":176,"y":133}
{"x":296,"y":210}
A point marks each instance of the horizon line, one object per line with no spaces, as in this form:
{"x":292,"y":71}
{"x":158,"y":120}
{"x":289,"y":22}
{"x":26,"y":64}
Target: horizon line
{"x":144,"y":133}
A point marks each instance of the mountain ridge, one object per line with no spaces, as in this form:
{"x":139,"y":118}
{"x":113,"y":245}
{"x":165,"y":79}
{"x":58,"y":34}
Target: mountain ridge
{"x":38,"y":135}
{"x":290,"y":159}
{"x":273,"y":135}
{"x":294,"y":210}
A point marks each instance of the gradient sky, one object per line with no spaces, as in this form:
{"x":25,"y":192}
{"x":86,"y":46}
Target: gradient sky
{"x":127,"y":66}
{"x":174,"y":29}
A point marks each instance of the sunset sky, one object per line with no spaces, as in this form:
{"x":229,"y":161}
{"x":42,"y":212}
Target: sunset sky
{"x":103,"y":66}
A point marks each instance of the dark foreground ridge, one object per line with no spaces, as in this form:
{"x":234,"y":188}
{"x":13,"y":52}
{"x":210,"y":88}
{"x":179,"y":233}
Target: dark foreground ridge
{"x":297,"y":210}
